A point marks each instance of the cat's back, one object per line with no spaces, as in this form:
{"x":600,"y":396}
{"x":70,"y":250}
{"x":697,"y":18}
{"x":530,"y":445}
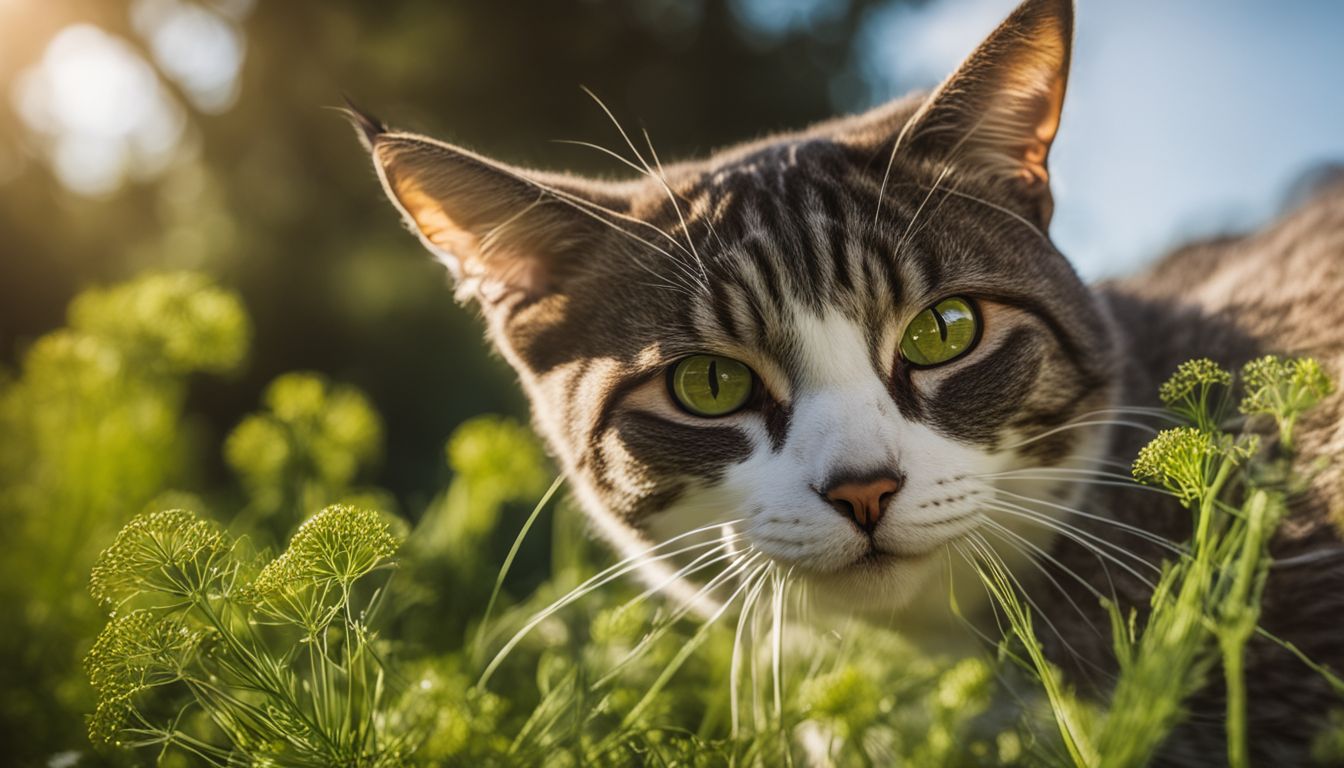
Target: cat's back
{"x":1282,"y":286}
{"x":1279,"y":290}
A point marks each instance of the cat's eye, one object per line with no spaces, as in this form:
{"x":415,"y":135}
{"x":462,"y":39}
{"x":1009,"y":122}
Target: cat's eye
{"x":942,"y":333}
{"x":710,"y":385}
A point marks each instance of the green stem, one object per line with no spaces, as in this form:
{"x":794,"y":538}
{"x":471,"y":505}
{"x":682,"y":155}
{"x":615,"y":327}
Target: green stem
{"x":479,"y":642}
{"x":1286,"y":427}
{"x":1234,"y":673}
{"x":1239,"y":620}
{"x":1207,"y":503}
{"x":263,"y":679}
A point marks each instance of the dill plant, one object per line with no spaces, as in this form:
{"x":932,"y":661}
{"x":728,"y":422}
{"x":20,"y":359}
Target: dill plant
{"x":1206,"y":604}
{"x":303,"y":451}
{"x":93,"y":427}
{"x":228,"y":664}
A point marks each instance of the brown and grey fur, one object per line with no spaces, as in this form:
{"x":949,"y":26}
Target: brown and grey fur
{"x":592,"y":289}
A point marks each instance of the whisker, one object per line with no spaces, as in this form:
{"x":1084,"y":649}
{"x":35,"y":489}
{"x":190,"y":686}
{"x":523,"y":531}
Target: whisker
{"x":735,"y":666}
{"x":1099,"y":460}
{"x":741,"y":562}
{"x":1167,"y":544}
{"x":1001,"y":209}
{"x":978,"y":542}
{"x":1025,"y":474}
{"x":1079,"y":425}
{"x":989,"y":640}
{"x":604,"y":215}
{"x":1022,"y":544}
{"x":1080,"y":537}
{"x":633,"y":562}
{"x":643,"y":172}
{"x":900,"y":244}
{"x":1068,"y":471}
{"x":1136,"y":410}
{"x":662,"y":179}
{"x":780,"y":583}
{"x":696,"y":565}
{"x":686,"y":650}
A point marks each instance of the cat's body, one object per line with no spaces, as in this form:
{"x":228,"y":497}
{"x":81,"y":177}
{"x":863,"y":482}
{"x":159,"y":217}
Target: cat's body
{"x":900,"y":366}
{"x":1279,"y":290}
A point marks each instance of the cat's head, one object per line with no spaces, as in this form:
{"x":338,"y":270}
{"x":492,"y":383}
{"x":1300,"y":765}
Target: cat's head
{"x":848,"y":341}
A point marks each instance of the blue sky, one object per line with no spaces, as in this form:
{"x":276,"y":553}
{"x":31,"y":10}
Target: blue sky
{"x":1183,"y":117}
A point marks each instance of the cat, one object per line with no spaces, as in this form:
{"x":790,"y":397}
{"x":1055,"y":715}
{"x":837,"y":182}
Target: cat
{"x":851,"y":347}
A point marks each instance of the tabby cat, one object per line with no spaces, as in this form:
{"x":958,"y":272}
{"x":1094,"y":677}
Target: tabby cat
{"x":853,"y":345}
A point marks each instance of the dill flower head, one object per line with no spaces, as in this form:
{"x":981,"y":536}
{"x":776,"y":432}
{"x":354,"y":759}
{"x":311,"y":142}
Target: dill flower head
{"x":108,"y":719}
{"x":1283,"y":388}
{"x":336,"y":546}
{"x":310,"y":425}
{"x":1180,"y":460}
{"x":500,"y":457}
{"x":135,"y":649}
{"x":172,"y":551}
{"x":1191,"y":379}
{"x":176,"y":320}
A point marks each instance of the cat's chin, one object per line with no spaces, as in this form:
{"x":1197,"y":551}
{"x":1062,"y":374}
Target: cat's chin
{"x":912,"y":594}
{"x":878,"y":583}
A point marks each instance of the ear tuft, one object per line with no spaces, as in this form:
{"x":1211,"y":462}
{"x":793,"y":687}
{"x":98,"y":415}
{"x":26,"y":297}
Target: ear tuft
{"x":367,"y":127}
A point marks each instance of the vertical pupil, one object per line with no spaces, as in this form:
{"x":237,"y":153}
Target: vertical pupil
{"x":714,"y":379}
{"x":942,"y":324}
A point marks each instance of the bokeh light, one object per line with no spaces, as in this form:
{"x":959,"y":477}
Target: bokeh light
{"x":101,"y":109}
{"x":776,"y":18}
{"x":200,"y":50}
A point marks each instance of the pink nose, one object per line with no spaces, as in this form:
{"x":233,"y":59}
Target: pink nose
{"x":863,"y":501}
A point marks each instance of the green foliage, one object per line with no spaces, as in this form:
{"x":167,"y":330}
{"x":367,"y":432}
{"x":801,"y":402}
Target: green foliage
{"x":1206,"y":605}
{"x":304,"y":450}
{"x":94,"y":427}
{"x":177,"y":322}
{"x":275,"y":667}
{"x":499,"y":470}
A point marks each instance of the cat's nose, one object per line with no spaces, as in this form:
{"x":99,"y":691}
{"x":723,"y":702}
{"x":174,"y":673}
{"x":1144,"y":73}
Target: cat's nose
{"x":863,"y":501}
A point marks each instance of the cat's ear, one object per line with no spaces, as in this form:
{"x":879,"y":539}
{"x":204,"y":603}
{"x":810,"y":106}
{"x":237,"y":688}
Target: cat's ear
{"x":996,"y":116}
{"x":503,"y":232}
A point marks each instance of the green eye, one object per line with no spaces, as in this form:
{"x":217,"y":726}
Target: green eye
{"x":709,"y":385}
{"x":941,"y":333}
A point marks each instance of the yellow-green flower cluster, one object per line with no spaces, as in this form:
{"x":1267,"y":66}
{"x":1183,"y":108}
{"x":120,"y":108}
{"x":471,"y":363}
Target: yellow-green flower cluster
{"x":310,"y":429}
{"x":172,"y":552}
{"x":137,"y":650}
{"x":1180,"y":460}
{"x":1192,"y":376}
{"x":501,"y":457}
{"x":335,"y":547}
{"x":1190,"y":392}
{"x":179,"y":321}
{"x":1275,"y":386}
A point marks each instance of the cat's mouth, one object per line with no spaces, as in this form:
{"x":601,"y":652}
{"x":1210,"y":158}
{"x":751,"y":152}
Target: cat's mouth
{"x":876,"y":557}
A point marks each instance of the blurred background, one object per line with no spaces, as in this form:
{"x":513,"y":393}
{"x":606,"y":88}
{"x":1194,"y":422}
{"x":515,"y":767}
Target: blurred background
{"x":167,"y":134}
{"x":142,"y":136}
